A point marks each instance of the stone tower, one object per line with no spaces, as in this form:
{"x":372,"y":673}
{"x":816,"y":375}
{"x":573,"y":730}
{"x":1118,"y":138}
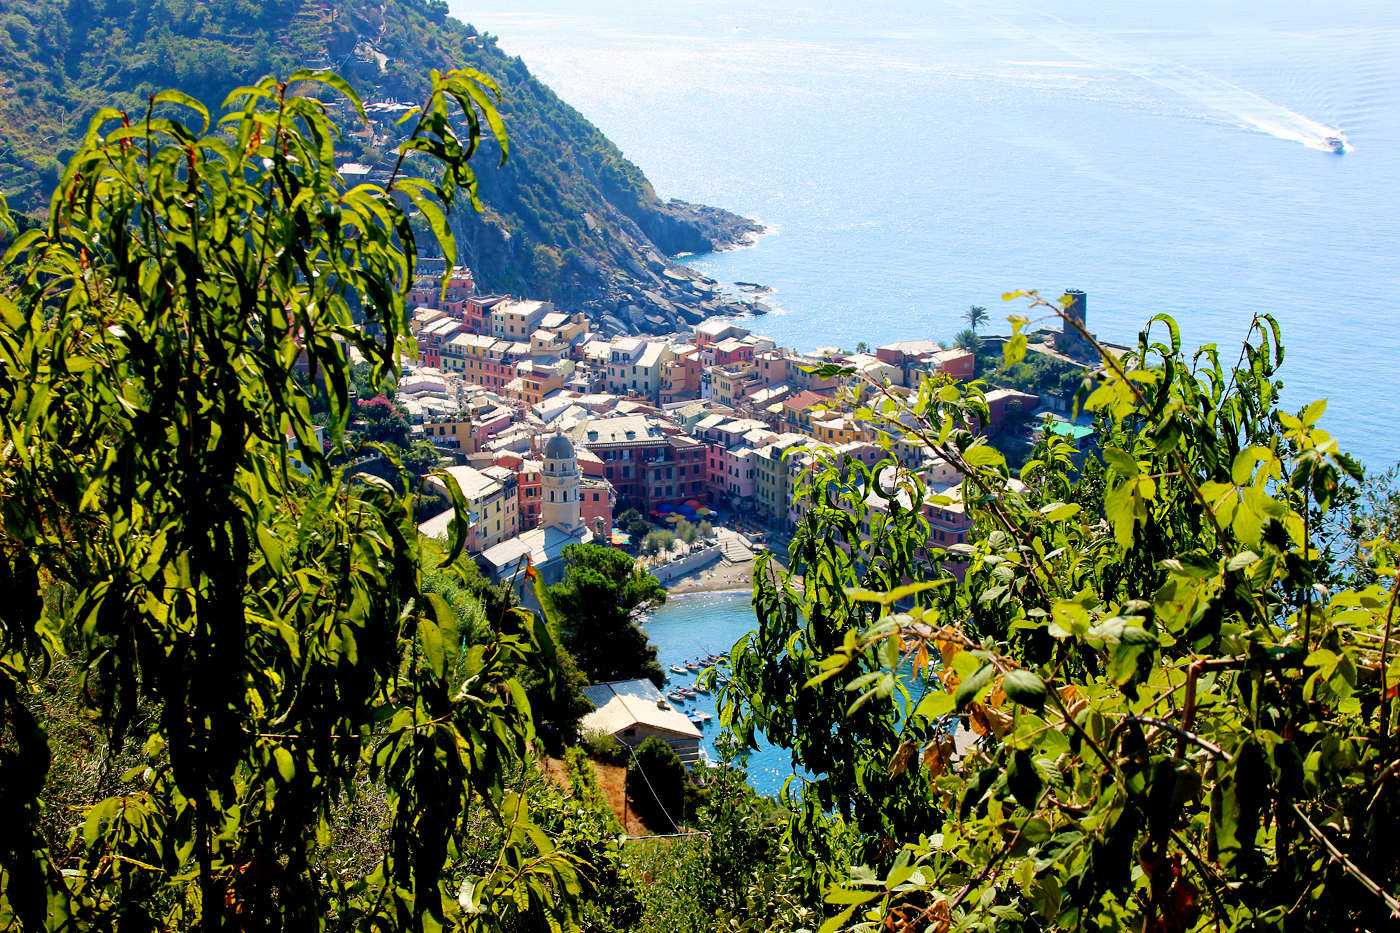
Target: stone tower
{"x":559,"y":486}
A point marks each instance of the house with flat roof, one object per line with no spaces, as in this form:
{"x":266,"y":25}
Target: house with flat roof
{"x":517,"y":320}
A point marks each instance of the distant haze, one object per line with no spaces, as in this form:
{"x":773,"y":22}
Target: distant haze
{"x":913,"y":158}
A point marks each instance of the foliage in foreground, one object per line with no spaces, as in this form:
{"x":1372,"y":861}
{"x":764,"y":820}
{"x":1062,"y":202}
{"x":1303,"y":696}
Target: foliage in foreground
{"x":270,"y":650}
{"x":1180,"y":713}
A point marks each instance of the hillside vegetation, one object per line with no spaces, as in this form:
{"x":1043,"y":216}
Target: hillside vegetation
{"x":567,"y":217}
{"x":1153,"y":694}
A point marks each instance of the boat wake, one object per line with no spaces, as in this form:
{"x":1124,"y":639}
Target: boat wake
{"x":1244,"y":107}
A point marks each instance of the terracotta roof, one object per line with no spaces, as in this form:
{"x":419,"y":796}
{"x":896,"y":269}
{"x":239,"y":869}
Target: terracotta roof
{"x":805,"y":399}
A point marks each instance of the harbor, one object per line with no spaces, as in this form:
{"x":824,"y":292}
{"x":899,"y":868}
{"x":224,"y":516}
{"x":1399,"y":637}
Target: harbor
{"x":681,"y":691}
{"x":692,"y":630}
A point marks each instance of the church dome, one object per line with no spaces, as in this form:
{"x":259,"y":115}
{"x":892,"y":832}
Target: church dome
{"x":559,"y":448}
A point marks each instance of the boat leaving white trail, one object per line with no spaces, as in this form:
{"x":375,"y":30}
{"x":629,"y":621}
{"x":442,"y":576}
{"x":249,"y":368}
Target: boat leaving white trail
{"x":1243,"y":106}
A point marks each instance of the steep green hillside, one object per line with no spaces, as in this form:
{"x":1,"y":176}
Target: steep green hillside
{"x":568,"y":216}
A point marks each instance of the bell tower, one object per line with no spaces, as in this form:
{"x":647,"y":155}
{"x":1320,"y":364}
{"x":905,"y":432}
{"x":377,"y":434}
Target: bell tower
{"x":559,"y":486}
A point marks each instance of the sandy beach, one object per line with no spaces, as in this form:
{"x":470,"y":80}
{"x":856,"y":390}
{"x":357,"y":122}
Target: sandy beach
{"x":721,"y":577}
{"x":717,"y":578}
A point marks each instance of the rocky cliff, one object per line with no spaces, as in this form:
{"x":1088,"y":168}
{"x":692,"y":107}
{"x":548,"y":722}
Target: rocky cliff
{"x":568,"y":217}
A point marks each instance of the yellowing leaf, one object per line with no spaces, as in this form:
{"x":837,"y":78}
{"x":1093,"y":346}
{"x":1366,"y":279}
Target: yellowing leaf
{"x":285,"y":765}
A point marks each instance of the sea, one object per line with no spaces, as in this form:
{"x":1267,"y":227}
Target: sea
{"x":911,"y":158}
{"x":688,"y":628}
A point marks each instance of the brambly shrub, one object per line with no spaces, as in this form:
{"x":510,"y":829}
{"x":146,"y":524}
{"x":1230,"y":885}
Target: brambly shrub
{"x":1173,"y":710}
{"x":268,"y":638}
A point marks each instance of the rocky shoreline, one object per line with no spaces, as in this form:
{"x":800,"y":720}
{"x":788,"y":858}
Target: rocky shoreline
{"x":650,"y":293}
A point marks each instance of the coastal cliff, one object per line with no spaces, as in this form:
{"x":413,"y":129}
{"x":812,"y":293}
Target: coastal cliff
{"x":568,"y":217}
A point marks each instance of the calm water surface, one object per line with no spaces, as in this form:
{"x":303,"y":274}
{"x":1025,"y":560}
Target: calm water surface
{"x":915,"y":157}
{"x":688,"y":628}
{"x":912,"y":158}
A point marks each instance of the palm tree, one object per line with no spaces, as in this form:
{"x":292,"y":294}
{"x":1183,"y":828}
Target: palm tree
{"x":975,"y":315}
{"x":967,"y":340}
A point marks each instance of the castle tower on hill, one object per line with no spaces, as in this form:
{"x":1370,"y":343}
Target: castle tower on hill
{"x":559,"y":481}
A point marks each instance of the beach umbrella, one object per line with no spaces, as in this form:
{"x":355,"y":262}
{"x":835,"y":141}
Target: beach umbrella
{"x":673,"y":518}
{"x":704,"y":511}
{"x":691,"y":504}
{"x":665,"y":509}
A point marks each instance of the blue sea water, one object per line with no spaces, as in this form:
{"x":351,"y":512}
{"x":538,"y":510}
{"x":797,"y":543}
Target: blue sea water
{"x":912,"y":158}
{"x":690,"y":627}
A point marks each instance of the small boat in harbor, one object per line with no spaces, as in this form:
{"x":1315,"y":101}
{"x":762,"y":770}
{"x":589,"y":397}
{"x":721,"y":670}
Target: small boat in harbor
{"x":675,"y":696}
{"x":692,"y":666}
{"x":687,"y":693}
{"x":678,"y":669}
{"x":701,"y":688}
{"x":698,"y":717}
{"x":1336,"y":143}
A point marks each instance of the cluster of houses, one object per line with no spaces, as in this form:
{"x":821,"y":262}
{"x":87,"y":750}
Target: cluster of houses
{"x":554,"y":429}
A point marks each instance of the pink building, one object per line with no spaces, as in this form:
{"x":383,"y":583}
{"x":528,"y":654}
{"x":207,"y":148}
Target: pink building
{"x":527,"y":475}
{"x":427,"y":291}
{"x":730,"y":351}
{"x":597,"y":500}
{"x":433,"y":337}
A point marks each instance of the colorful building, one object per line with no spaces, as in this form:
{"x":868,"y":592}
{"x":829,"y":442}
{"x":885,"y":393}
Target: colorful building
{"x":517,"y":320}
{"x":648,"y":465}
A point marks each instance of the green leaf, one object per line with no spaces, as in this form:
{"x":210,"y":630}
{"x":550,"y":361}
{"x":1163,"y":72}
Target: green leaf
{"x":334,"y":80}
{"x":1136,"y":635}
{"x":468,"y":894}
{"x":96,"y":817}
{"x":832,"y":924}
{"x":1035,"y":830}
{"x":1059,"y":511}
{"x":1121,"y":462}
{"x":433,"y":649}
{"x":1025,"y":688}
{"x":965,"y":662}
{"x":1242,"y":471}
{"x":285,"y":765}
{"x":1314,"y":412}
{"x":983,"y":455}
{"x":936,"y":705}
{"x":185,"y":100}
{"x":847,"y":896}
{"x":967,"y":690}
{"x":1013,"y":351}
{"x":1193,"y":564}
{"x":1046,"y":897}
{"x":1242,"y":560}
{"x":894,"y":595}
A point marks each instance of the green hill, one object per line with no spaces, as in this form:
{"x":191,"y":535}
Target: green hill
{"x":568,"y":217}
